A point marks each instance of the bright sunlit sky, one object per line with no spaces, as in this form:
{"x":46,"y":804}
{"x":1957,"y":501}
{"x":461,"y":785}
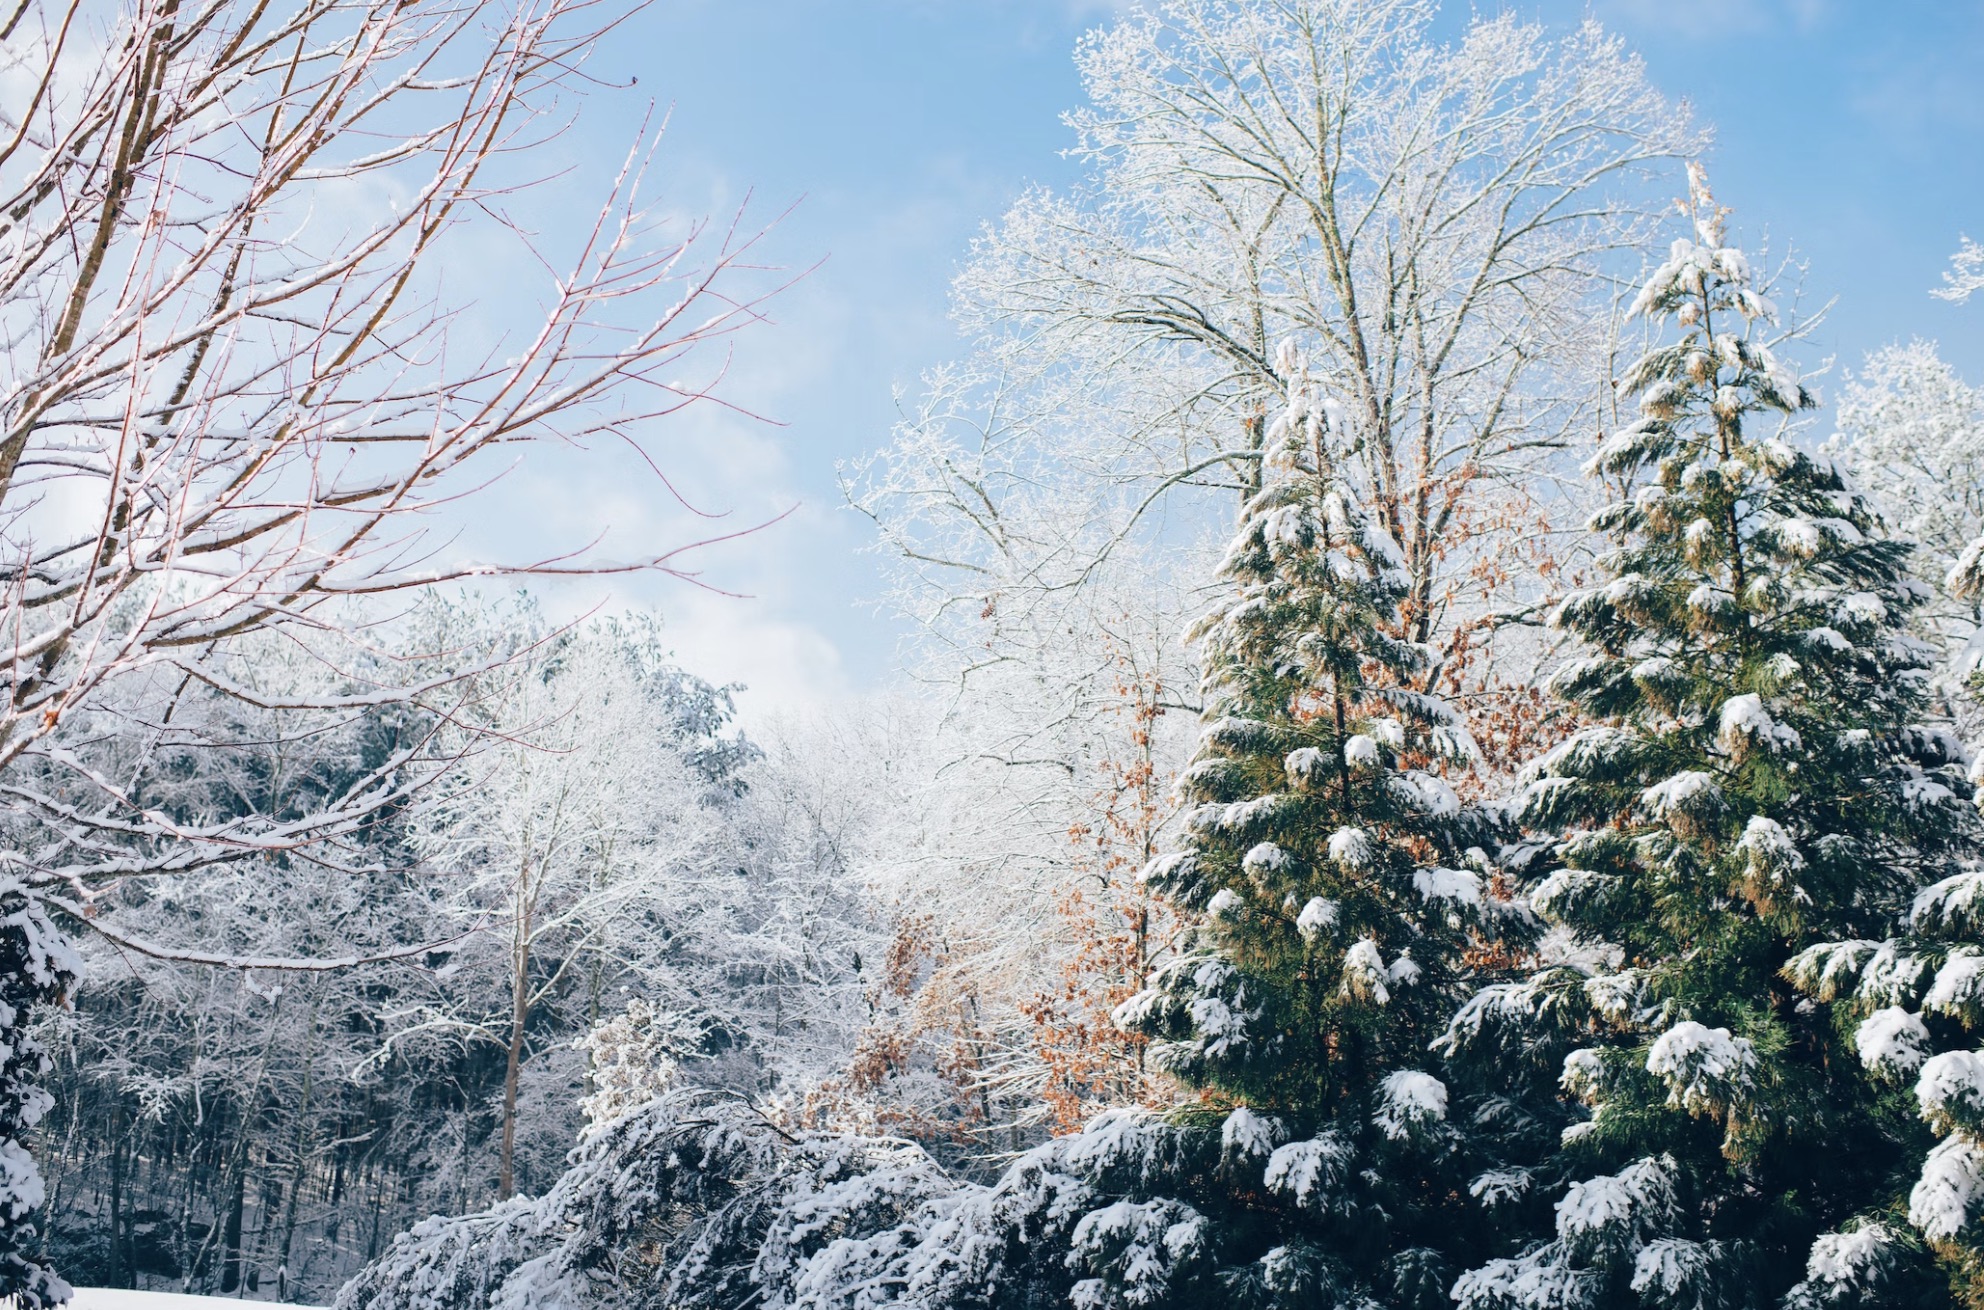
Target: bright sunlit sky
{"x":1852,"y":129}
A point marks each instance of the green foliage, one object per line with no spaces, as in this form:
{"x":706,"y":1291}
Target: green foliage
{"x":1337,"y":882}
{"x":1758,"y":780}
{"x":1319,"y":833}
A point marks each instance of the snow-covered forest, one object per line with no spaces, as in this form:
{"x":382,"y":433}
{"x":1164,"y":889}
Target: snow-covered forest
{"x":1434,"y":760}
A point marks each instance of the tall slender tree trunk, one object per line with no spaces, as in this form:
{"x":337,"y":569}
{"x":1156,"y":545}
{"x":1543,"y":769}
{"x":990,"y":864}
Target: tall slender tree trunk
{"x":120,"y":1263}
{"x":506,"y":1184}
{"x":378,"y":1214}
{"x":302,"y":1139}
{"x":230,"y":1268}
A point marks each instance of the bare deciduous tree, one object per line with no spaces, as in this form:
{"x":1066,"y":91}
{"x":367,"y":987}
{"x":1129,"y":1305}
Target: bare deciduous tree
{"x":578,"y":835}
{"x":239,"y":386}
{"x":1431,"y":221}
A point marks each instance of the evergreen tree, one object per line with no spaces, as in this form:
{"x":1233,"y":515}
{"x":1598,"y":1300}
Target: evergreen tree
{"x":1757,"y":781}
{"x":1331,"y":872}
{"x":1911,"y":1005}
{"x":1914,"y":1004}
{"x":38,"y":968}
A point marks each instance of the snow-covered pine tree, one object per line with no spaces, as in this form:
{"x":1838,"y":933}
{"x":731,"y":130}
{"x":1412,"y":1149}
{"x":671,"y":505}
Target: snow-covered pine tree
{"x":1757,"y":781}
{"x":1328,"y":863}
{"x":1912,"y":1006}
{"x":37,"y":968}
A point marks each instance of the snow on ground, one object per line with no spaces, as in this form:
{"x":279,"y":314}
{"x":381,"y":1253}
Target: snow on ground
{"x":110,"y":1298}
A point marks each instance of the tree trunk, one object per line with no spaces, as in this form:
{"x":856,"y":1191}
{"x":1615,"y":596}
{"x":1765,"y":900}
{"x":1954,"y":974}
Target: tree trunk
{"x":506,"y":1184}
{"x":302,"y":1139}
{"x":378,"y":1213}
{"x":120,"y":1264}
{"x":230,"y":1269}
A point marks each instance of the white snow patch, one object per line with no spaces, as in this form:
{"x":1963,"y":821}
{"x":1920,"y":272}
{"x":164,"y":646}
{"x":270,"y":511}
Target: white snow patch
{"x":1584,"y":1073}
{"x":1951,"y":1089}
{"x":1166,"y":866}
{"x":1409,"y":1101}
{"x":1893,"y":975}
{"x":1553,"y":896}
{"x":1773,"y":856}
{"x":1530,"y":1280}
{"x":1683,"y":791}
{"x":1309,"y":1170}
{"x":1744,"y":721}
{"x":1426,"y":793}
{"x":1616,"y":996}
{"x":1403,"y":972}
{"x":1364,"y":972}
{"x":1351,"y":848}
{"x":1457,"y":885}
{"x":1952,"y":903}
{"x":1705,"y":1068}
{"x":1946,"y":1197}
{"x":1799,"y":536}
{"x":1304,"y":766}
{"x":1265,"y":857}
{"x":1892,"y":1041}
{"x":1863,"y":607}
{"x":1959,"y":986}
{"x":1246,"y":1135}
{"x":1707,"y":599}
{"x":1667,"y":1268}
{"x":1840,"y":1261}
{"x":1316,"y":916}
{"x":1637,"y":1197}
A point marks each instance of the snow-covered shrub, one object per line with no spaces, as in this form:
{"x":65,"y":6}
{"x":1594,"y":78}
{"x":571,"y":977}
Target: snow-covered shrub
{"x":689,"y":1200}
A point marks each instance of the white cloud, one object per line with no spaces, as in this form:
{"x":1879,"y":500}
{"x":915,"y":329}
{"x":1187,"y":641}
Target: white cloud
{"x":786,"y":665}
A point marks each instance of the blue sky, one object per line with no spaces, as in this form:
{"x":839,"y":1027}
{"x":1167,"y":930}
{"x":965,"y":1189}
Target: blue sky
{"x":1852,"y":129}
